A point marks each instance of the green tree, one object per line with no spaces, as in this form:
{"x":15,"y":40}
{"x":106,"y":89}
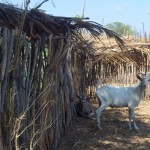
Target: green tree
{"x":120,"y":28}
{"x":78,"y":16}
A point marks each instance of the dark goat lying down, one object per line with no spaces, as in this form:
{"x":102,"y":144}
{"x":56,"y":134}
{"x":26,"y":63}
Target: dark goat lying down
{"x":83,"y":107}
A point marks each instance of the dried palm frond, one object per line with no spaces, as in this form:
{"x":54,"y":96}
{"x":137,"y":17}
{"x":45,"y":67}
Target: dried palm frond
{"x":37,"y":22}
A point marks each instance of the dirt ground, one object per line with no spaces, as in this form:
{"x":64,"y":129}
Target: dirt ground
{"x":82,"y":135}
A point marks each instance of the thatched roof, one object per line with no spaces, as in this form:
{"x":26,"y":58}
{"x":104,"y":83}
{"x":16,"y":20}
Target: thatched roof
{"x":37,"y":22}
{"x":109,"y":52}
{"x":136,"y":56}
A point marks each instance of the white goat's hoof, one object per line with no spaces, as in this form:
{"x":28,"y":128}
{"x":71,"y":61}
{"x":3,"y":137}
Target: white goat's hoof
{"x":136,"y":128}
{"x":98,"y":128}
{"x":130,"y":129}
{"x":91,"y":114}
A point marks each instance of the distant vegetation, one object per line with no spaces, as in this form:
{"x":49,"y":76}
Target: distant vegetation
{"x":120,"y":28}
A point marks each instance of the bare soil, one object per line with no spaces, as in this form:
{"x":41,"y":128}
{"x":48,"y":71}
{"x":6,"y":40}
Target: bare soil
{"x":82,"y":134}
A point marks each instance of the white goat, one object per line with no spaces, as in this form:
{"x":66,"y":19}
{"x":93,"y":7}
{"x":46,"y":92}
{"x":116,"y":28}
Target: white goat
{"x":121,"y":97}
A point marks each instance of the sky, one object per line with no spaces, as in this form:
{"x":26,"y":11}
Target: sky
{"x":135,"y":13}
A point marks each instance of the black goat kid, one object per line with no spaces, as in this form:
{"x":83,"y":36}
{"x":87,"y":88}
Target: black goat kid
{"x":83,"y":106}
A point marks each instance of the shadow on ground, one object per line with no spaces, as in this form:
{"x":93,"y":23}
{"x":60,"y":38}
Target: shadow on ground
{"x":82,"y":135}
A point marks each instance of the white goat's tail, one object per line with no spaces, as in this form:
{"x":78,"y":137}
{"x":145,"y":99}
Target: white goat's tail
{"x":99,"y":83}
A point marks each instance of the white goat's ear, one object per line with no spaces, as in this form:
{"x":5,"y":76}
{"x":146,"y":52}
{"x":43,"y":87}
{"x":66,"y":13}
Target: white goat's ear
{"x":138,"y":77}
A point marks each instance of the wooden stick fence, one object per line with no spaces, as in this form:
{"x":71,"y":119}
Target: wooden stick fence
{"x":36,"y":93}
{"x":123,"y":74}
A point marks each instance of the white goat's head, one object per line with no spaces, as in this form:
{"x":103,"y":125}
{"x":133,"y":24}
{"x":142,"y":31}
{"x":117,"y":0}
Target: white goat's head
{"x":144,"y":78}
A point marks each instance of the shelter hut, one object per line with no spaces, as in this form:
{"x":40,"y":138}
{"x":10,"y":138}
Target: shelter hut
{"x":116,"y":66}
{"x":39,"y":59}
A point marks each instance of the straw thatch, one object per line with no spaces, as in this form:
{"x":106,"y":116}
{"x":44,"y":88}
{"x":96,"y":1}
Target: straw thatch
{"x":39,"y":63}
{"x":37,"y":22}
{"x":114,"y":66}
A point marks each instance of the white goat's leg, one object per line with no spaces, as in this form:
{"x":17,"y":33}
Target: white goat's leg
{"x":135,"y":125}
{"x":134,"y":122}
{"x":130,"y":118}
{"x":98,"y":114}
